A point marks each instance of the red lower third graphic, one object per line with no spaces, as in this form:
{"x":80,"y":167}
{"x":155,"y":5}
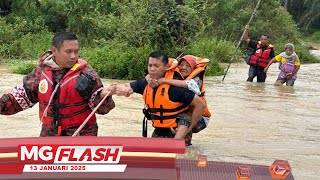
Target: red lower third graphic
{"x":121,"y":158}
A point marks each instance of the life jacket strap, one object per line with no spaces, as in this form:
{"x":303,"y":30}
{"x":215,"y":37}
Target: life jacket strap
{"x":145,"y":127}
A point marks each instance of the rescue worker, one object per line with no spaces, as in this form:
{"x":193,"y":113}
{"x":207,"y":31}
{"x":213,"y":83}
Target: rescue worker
{"x":165,"y":102}
{"x":263,"y":53}
{"x":289,"y":66}
{"x":192,"y":69}
{"x":67,"y":90}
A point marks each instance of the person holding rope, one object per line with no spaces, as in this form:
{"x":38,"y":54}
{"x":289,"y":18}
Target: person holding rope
{"x":164,"y":103}
{"x":263,"y":53}
{"x":67,"y":90}
{"x":192,"y":69}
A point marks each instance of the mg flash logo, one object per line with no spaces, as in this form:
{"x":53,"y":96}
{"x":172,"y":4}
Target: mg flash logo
{"x":48,"y":158}
{"x":69,"y":154}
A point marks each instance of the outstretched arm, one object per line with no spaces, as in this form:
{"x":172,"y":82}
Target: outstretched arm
{"x":90,"y":87}
{"x":22,"y":96}
{"x":245,"y":36}
{"x":9,"y":105}
{"x":273,"y":60}
{"x":189,"y":84}
{"x":173,"y":82}
{"x":109,"y":90}
{"x":124,"y":90}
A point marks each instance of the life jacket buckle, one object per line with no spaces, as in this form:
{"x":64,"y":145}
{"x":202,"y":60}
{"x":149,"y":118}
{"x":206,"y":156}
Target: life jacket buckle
{"x":147,"y":113}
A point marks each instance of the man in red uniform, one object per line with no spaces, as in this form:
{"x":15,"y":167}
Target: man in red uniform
{"x":67,"y":90}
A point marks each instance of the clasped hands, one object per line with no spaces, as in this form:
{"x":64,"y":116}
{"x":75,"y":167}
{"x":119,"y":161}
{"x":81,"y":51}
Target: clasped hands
{"x":125,"y":89}
{"x":118,"y":89}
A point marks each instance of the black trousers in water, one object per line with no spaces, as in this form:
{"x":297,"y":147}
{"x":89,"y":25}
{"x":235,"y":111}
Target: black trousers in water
{"x":256,"y":71}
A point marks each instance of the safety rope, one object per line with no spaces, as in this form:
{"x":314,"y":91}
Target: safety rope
{"x":235,"y":51}
{"x":93,"y":111}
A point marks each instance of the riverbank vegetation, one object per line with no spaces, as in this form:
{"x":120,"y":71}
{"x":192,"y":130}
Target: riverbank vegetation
{"x":117,"y":36}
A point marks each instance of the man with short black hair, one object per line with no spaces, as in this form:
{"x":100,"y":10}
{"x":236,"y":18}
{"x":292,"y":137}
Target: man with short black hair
{"x":263,"y":53}
{"x":67,"y":90}
{"x":165,"y":102}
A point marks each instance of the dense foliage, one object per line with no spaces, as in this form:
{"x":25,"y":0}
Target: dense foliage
{"x":116,"y":36}
{"x":305,"y":12}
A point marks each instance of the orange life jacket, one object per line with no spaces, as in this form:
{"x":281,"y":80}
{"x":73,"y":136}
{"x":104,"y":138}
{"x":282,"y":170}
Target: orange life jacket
{"x":163,"y":112}
{"x":199,"y":70}
{"x":72,"y":108}
{"x":261,"y":57}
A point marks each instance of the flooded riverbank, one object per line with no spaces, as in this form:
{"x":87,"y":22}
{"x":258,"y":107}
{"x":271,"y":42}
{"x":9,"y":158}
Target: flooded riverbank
{"x":251,"y":123}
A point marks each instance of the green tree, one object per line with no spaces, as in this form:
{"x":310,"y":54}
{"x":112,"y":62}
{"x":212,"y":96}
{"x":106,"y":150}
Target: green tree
{"x":226,"y":19}
{"x":85,"y":16}
{"x":161,"y":24}
{"x":5,"y":7}
{"x":305,"y":12}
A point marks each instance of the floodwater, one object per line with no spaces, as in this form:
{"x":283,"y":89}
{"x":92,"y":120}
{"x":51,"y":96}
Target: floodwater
{"x":252,"y":123}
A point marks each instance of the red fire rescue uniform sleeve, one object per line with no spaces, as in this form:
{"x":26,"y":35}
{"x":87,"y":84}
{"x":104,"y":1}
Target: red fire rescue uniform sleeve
{"x":96,"y":90}
{"x":22,"y":96}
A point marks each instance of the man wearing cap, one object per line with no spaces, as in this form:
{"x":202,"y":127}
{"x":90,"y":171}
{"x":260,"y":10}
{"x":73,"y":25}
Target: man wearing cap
{"x":289,"y":66}
{"x":263,"y":53}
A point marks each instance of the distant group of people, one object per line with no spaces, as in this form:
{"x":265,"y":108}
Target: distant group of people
{"x":68,"y":89}
{"x":263,"y":56}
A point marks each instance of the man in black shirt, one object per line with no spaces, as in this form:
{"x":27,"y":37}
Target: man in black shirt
{"x":263,"y":53}
{"x":165,"y":102}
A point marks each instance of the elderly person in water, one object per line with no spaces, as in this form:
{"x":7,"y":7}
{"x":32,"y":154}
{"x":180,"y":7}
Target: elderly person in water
{"x":289,"y":66}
